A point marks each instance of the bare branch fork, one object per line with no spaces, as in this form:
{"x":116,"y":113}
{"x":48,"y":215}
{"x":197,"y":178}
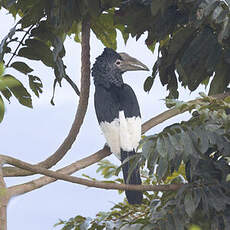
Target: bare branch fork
{"x":79,"y":117}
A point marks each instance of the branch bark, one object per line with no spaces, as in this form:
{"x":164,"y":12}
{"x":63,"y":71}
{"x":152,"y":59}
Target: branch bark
{"x":74,"y":167}
{"x":97,"y":184}
{"x":80,"y":114}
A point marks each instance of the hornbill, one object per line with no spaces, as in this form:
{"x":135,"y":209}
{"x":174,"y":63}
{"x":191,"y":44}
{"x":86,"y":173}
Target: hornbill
{"x":118,"y":111}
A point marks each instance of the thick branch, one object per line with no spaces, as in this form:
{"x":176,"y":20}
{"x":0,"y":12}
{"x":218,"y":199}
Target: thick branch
{"x":97,"y":184}
{"x":40,"y":182}
{"x":79,"y":117}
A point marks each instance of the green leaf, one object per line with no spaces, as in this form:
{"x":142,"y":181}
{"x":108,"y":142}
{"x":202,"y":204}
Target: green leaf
{"x":17,"y":88}
{"x":22,"y":67}
{"x":189,"y":204}
{"x":76,"y":29}
{"x":28,"y":53}
{"x":218,"y":198}
{"x":2,"y":69}
{"x":170,"y":224}
{"x":194,"y":227}
{"x":105,"y":31}
{"x":148,"y":148}
{"x":40,"y":50}
{"x":37,"y":50}
{"x":197,"y":198}
{"x":227,"y":99}
{"x":160,"y":146}
{"x":44,"y":31}
{"x":2,"y":109}
{"x":35,"y":84}
{"x":157,"y":5}
{"x":148,"y":84}
{"x":162,"y":168}
{"x":33,"y":14}
{"x":178,"y":221}
{"x":175,"y":141}
{"x":199,"y":58}
{"x":6,"y":93}
{"x":221,"y":78}
{"x":94,"y":7}
{"x":124,"y":33}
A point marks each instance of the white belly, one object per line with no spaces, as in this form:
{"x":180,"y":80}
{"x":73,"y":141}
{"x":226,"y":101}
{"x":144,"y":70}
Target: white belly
{"x":122,"y":133}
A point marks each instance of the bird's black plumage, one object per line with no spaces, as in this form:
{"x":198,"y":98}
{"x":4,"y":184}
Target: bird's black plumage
{"x":115,"y":99}
{"x":118,"y":111}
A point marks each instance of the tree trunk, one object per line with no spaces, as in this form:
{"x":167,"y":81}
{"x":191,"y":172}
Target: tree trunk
{"x":3,"y":201}
{"x":3,"y":206}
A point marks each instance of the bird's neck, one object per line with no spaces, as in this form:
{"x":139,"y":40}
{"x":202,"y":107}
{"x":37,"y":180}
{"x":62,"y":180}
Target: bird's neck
{"x":109,"y":81}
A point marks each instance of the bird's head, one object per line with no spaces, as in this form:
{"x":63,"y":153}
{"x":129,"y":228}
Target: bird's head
{"x":110,"y":65}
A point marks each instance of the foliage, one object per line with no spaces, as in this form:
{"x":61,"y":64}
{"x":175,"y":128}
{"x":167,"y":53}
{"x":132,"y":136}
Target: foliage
{"x":193,"y":38}
{"x":195,"y":153}
{"x":9,"y":86}
{"x":203,"y":145}
{"x":41,"y":32}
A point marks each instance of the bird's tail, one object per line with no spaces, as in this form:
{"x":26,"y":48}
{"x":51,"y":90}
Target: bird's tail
{"x":133,"y":197}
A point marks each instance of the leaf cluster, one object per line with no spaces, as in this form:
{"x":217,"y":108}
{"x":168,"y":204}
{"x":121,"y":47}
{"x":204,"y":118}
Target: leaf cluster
{"x":202,"y":144}
{"x":194,"y":153}
{"x":193,"y":36}
{"x":40,"y":34}
{"x":193,"y":41}
{"x":10,"y":86}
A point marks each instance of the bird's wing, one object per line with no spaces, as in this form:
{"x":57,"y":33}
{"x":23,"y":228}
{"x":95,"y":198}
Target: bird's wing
{"x":118,"y":114}
{"x":130,"y":120}
{"x":129,"y":103}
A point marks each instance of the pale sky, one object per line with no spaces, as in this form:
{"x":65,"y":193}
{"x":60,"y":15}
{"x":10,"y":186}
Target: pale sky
{"x":33,"y":134}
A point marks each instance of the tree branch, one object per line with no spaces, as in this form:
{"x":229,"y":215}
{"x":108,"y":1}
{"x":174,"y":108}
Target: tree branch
{"x":96,"y":184}
{"x":146,"y":126}
{"x":79,"y":117}
{"x":85,"y":162}
{"x":40,"y":182}
{"x":173,"y":112}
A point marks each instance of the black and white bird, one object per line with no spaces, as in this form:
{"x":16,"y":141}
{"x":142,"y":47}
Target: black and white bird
{"x":118,"y":111}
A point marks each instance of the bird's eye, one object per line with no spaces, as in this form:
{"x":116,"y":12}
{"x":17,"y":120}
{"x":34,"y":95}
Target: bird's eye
{"x":118,"y":62}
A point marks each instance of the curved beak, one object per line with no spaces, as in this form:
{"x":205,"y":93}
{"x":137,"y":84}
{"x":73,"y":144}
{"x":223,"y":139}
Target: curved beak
{"x":131,"y":64}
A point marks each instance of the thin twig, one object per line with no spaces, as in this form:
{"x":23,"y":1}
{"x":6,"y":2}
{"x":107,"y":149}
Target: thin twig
{"x":20,"y":43}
